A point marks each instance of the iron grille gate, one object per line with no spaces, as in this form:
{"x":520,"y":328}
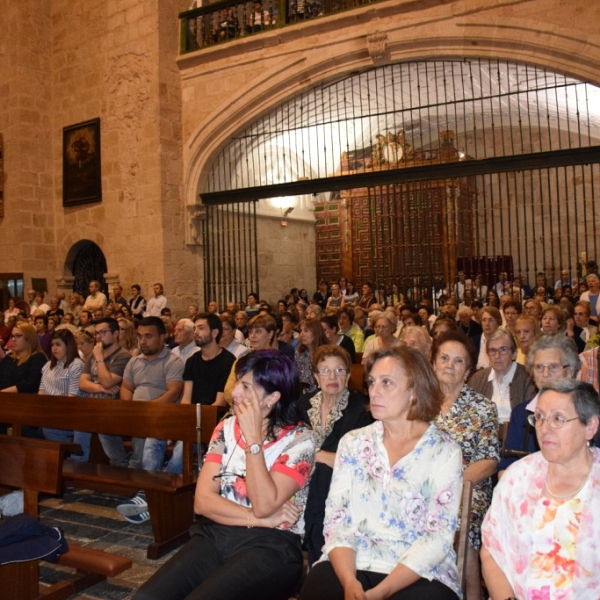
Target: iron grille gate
{"x":507,"y":184}
{"x":231,"y":255}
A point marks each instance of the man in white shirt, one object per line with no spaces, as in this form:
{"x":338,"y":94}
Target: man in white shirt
{"x":96,"y":299}
{"x":183,"y":336}
{"x":156,"y":304}
{"x":593,"y":296}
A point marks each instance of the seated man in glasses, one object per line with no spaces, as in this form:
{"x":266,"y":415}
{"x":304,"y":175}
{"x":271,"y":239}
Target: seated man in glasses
{"x":505,"y":382}
{"x":550,"y":358}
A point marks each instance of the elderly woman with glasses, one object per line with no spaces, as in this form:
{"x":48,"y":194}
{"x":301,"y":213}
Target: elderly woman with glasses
{"x":540,"y":534}
{"x":384,"y":339}
{"x":332,"y":412}
{"x":550,"y":359}
{"x":251,"y":493}
{"x":506,"y":382}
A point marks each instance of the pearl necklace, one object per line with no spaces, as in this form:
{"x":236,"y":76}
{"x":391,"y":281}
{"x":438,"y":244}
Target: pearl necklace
{"x":572,"y":494}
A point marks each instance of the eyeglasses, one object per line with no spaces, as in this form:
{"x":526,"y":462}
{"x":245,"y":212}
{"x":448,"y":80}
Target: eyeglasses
{"x":326,"y":371}
{"x":553,"y":368}
{"x":554,"y":421}
{"x":102,"y":332}
{"x":501,"y":351}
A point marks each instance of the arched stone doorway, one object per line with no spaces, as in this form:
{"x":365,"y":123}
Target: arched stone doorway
{"x":85,"y":261}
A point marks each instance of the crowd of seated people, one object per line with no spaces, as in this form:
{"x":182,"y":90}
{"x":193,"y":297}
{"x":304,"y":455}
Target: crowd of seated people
{"x":520,"y":348}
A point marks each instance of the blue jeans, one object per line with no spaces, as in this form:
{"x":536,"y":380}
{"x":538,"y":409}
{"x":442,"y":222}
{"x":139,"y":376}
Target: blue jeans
{"x":78,"y":437}
{"x":154,"y":456}
{"x":114,"y":449}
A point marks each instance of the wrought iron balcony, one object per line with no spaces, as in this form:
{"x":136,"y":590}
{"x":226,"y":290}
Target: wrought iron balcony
{"x":226,"y":20}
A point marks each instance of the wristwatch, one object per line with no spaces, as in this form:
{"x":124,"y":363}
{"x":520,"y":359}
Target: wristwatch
{"x":254,"y":449}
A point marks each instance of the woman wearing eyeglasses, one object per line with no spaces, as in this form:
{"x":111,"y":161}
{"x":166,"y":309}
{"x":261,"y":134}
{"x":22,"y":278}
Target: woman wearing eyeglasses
{"x":506,"y":382}
{"x":21,"y":371}
{"x":541,"y":532}
{"x":550,"y":358}
{"x":251,"y":493}
{"x":472,"y":421}
{"x":332,"y":411}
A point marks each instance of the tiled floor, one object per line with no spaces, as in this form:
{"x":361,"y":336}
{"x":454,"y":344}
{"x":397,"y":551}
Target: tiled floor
{"x":89,"y":518}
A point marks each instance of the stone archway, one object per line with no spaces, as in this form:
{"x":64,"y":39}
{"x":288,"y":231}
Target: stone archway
{"x":85,"y":261}
{"x":383,"y":33}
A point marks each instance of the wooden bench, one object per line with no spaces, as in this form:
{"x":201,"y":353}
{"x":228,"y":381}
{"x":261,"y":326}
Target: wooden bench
{"x":36,"y":466}
{"x":169,"y":496}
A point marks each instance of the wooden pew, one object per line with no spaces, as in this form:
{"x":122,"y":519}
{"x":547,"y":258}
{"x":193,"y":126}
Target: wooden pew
{"x":36,"y":466}
{"x":169,"y":496}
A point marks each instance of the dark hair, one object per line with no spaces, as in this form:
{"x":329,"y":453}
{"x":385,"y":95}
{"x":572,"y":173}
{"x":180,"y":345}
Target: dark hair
{"x":254,"y":295}
{"x":514,"y":304}
{"x":43,"y":317}
{"x":427,"y":397}
{"x":330,"y":321}
{"x":346,"y":310}
{"x":137,"y":287}
{"x":165,"y":311}
{"x":213,"y":321}
{"x":439,"y":322}
{"x":460,"y":338}
{"x":273,"y":371}
{"x":68,"y":339}
{"x":162,"y":289}
{"x":477,"y":304}
{"x":314,"y":326}
{"x":330,"y":351}
{"x":156,"y":322}
{"x":113,"y":324}
{"x":88,"y":313}
{"x":494,"y":313}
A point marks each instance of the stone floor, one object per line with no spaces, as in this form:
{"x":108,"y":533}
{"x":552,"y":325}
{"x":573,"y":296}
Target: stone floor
{"x":90,"y":519}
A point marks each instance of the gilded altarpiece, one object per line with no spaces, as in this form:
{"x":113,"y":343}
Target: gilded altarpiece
{"x":411,"y":234}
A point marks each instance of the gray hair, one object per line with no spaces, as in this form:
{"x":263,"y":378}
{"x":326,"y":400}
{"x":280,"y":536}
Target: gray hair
{"x":188,"y":324}
{"x":583,"y":395}
{"x":557,"y":341}
{"x":501,"y":332}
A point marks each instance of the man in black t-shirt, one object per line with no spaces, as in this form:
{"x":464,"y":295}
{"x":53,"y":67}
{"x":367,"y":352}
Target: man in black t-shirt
{"x":206,"y":372}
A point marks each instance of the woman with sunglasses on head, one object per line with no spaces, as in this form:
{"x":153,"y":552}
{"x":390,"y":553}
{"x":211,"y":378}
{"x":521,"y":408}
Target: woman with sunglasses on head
{"x":251,"y":494}
{"x":332,"y":411}
{"x":540,"y":534}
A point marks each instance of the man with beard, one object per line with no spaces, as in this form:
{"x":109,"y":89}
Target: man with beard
{"x":206,"y":372}
{"x":101,"y":378}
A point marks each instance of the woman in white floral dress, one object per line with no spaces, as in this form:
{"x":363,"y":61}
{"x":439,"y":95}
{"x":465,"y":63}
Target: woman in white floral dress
{"x":392,"y":509}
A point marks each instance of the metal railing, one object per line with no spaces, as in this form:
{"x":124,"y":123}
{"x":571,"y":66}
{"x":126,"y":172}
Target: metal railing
{"x":228,"y":20}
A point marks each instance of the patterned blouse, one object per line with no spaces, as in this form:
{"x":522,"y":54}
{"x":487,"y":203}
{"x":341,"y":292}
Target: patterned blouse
{"x":404,"y":514}
{"x":553,"y":543}
{"x":291,"y":453}
{"x":473,"y":422}
{"x":303,"y":364}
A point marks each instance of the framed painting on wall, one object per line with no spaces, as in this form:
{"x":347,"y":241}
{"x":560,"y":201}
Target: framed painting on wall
{"x":82,"y":177}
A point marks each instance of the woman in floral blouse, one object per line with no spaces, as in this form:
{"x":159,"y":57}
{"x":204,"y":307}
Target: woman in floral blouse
{"x":541,"y":533}
{"x":472,"y":420}
{"x":392,"y":508}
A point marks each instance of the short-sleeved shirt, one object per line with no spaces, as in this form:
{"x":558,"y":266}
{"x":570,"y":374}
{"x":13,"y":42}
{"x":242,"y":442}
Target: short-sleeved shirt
{"x":208,"y":376}
{"x":150,"y":377}
{"x":115,"y":363}
{"x":291,"y":453}
{"x":61,"y":380}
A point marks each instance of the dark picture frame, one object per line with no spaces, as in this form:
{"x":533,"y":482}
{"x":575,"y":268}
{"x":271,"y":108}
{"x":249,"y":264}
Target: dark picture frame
{"x":82,"y":177}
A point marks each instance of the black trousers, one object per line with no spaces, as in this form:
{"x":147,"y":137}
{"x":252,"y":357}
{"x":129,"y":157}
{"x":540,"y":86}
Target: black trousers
{"x":221,"y":562}
{"x":323,"y":584}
